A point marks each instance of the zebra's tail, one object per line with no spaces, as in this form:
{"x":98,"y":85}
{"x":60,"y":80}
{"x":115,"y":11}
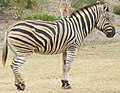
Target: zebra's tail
{"x":5,"y":50}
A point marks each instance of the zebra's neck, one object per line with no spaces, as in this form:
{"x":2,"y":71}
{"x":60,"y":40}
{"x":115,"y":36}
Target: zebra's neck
{"x":85,"y":19}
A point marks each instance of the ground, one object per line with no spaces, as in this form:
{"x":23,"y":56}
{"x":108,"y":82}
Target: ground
{"x":96,"y":69}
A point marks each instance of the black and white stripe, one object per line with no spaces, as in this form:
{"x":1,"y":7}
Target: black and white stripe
{"x":63,"y":36}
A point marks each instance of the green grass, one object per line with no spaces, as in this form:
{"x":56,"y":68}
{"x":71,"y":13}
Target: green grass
{"x":40,"y":16}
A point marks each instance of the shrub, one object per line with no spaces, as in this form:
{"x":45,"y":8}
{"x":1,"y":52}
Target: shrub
{"x":6,"y":3}
{"x":31,"y":4}
{"x":40,"y":16}
{"x":116,"y":10}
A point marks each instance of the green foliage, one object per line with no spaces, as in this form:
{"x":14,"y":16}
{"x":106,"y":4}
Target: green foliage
{"x":91,"y":1}
{"x":80,"y":3}
{"x":6,"y":3}
{"x":40,"y":16}
{"x":31,"y":4}
{"x":116,"y":10}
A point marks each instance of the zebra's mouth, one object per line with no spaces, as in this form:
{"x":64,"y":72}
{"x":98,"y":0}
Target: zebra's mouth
{"x":110,"y":34}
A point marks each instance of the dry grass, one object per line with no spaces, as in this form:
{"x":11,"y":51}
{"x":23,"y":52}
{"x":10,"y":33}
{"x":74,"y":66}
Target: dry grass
{"x":95,"y":70}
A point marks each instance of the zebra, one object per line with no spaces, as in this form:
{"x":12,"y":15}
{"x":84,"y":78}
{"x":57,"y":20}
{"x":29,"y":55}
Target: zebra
{"x":64,"y":36}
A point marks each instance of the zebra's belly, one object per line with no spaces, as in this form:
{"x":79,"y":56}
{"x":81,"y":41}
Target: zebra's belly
{"x":49,"y":51}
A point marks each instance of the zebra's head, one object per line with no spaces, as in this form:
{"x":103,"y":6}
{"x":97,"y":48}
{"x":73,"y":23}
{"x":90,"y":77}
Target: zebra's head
{"x":104,"y":24}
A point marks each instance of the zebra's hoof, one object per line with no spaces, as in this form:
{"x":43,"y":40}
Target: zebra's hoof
{"x":65,"y":84}
{"x":66,"y":87}
{"x":20,"y":86}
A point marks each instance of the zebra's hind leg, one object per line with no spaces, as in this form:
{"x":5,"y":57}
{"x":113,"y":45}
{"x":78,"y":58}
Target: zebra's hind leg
{"x":18,"y":60}
{"x":67,"y":60}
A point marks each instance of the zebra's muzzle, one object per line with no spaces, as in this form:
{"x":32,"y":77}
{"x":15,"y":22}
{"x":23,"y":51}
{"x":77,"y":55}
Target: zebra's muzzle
{"x":110,"y":34}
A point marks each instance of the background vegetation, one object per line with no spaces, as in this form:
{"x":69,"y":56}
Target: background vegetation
{"x":29,"y":4}
{"x":116,"y":10}
{"x":41,"y":16}
{"x":82,"y":2}
{"x":6,"y":3}
{"x":36,"y":6}
{"x":39,"y":6}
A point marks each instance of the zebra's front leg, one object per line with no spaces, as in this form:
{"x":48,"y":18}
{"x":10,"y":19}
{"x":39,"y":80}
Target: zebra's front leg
{"x":17,"y":62}
{"x":67,"y":60}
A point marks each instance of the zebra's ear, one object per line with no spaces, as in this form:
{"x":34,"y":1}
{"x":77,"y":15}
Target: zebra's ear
{"x":98,"y":1}
{"x":106,"y":8}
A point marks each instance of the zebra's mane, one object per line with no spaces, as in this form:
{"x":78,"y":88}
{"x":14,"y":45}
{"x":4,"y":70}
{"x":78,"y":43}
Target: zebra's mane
{"x":87,"y":6}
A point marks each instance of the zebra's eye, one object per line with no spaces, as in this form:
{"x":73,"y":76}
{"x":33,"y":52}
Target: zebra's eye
{"x":106,"y":9}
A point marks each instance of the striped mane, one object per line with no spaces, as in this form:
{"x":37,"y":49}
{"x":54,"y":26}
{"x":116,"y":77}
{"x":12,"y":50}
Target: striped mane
{"x":87,"y":6}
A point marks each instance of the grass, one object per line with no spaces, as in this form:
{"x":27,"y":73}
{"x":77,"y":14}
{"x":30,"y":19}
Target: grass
{"x":40,"y":16}
{"x":96,"y":69}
